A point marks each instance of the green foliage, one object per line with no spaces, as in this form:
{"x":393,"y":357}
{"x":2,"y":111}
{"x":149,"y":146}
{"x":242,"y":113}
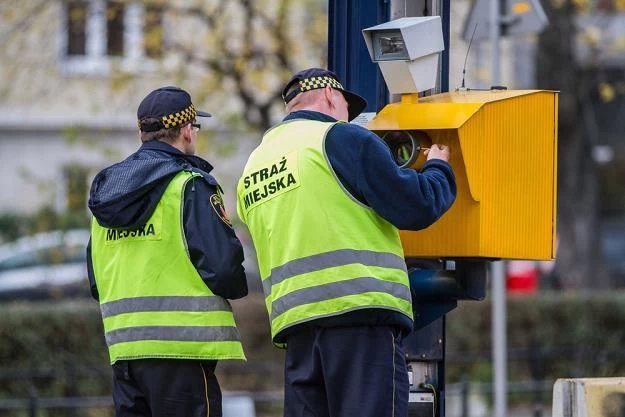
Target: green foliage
{"x":14,"y":225}
{"x":55,"y":349}
{"x":71,"y":134}
{"x":11,"y":226}
{"x":51,"y":334}
{"x":58,"y":349}
{"x":248,"y":52}
{"x":569,"y":335}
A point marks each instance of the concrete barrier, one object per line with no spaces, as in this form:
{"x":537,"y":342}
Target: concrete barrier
{"x":589,"y":397}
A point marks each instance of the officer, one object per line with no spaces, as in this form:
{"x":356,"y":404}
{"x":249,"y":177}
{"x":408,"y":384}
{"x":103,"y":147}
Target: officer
{"x":323,"y":201}
{"x":162,"y":260}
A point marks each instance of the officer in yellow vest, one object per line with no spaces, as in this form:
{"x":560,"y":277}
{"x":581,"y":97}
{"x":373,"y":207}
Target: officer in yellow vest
{"x":162,"y":260}
{"x":323,"y":200}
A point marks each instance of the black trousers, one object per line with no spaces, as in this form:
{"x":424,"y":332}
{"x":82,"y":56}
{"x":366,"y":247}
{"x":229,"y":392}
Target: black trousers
{"x":357,"y":371}
{"x":166,"y":388}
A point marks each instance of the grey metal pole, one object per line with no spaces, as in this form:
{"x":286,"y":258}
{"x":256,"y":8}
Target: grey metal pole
{"x":500,"y":377}
{"x":498,"y":314}
{"x":495,"y":34}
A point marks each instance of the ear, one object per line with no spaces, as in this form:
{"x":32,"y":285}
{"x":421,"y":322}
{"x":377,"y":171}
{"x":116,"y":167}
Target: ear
{"x":328,"y":94}
{"x":186,"y":133}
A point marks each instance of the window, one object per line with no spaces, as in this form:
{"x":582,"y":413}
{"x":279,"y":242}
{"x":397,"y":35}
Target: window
{"x":76,"y":28}
{"x":153,"y":31}
{"x":114,"y":28}
{"x":98,"y":33}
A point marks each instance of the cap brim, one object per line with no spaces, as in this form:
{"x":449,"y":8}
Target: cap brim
{"x":356,"y":104}
{"x":203,"y":114}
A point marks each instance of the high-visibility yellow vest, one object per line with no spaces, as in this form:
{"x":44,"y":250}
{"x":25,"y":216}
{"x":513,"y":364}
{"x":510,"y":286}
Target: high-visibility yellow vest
{"x":320,"y":251}
{"x":153,"y":301}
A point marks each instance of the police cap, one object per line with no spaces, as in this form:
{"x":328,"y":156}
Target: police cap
{"x":313,"y":78}
{"x":170,"y":106}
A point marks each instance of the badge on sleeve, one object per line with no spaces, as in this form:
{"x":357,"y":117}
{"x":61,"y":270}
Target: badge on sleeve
{"x":218,"y":205}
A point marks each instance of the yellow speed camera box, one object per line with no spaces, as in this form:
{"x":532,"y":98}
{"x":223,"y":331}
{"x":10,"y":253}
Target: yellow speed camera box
{"x":503,"y":152}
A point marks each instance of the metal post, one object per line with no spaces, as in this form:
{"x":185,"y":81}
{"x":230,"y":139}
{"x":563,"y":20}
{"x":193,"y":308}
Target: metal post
{"x":442,"y":8}
{"x":535,"y":365}
{"x":71,"y":387}
{"x":498,"y":314}
{"x":500,"y":378}
{"x":465,"y":396}
{"x":495,"y":34}
{"x":445,"y":13}
{"x":33,"y":403}
{"x":347,"y":52}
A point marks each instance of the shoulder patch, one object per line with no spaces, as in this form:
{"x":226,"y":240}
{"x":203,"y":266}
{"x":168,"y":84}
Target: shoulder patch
{"x":218,"y":205}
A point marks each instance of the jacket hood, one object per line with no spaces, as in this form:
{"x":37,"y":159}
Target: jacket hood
{"x":125,"y":194}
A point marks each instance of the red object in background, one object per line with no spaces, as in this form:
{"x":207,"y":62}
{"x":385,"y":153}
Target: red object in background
{"x":522,"y":277}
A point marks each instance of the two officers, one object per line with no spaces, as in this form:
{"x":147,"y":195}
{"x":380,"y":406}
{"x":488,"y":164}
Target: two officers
{"x":323,"y":200}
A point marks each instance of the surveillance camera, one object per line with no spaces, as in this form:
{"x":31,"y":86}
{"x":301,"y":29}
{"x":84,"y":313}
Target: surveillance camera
{"x":407,"y":52}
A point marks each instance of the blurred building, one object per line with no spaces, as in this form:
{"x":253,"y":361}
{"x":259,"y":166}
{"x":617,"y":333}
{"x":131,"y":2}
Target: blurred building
{"x":72,"y":73}
{"x":62,"y":116}
{"x":71,"y":76}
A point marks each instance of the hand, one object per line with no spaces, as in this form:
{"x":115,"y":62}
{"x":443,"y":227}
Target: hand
{"x":438,"y":152}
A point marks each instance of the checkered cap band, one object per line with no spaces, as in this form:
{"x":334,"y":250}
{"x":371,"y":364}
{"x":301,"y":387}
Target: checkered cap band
{"x":313,"y":83}
{"x":179,"y":118}
{"x":176,"y":119}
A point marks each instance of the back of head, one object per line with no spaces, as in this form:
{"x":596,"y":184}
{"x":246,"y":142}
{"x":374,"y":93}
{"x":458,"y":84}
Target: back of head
{"x":308,"y":100}
{"x":297,"y":94}
{"x":163,"y":112}
{"x":170,"y":135}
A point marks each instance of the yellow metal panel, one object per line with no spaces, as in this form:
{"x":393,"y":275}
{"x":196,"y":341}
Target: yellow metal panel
{"x":400,"y":116}
{"x":473,"y":136}
{"x":518,"y":159}
{"x":556,"y":99}
{"x":440,"y":111}
{"x":503,"y":151}
{"x":522,"y":7}
{"x":474,"y":96}
{"x":457,"y":233}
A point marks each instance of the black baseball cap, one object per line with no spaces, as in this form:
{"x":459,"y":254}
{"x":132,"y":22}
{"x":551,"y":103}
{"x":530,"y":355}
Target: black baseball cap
{"x":172,"y":107}
{"x":313,"y":78}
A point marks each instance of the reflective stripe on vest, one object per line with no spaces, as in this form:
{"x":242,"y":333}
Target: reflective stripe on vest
{"x":327,"y":292}
{"x":153,"y":301}
{"x":329,"y":260}
{"x":172,"y":333}
{"x":320,"y":251}
{"x":168,"y":304}
{"x":163,"y":303}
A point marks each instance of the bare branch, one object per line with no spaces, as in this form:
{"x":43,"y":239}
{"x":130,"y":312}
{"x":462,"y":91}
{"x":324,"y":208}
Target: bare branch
{"x":25,"y":22}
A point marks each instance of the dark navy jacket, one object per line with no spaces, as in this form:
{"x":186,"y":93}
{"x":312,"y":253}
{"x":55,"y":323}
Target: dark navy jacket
{"x":408,"y":199}
{"x":125,"y":195}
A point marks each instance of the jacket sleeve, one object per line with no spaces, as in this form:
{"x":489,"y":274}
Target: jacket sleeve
{"x":214,"y":248}
{"x":91,"y":275}
{"x":408,"y":199}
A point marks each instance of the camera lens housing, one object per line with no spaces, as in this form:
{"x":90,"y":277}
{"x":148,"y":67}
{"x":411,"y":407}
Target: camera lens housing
{"x":406,"y":146}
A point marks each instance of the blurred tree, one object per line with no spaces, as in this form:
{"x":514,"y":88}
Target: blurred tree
{"x":238,"y":51}
{"x":234,"y":55}
{"x":248,"y":49}
{"x":14,"y":225}
{"x":558,"y":67}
